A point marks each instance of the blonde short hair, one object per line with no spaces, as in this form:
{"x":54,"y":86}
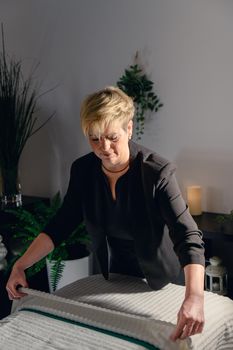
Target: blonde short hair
{"x":105,"y":107}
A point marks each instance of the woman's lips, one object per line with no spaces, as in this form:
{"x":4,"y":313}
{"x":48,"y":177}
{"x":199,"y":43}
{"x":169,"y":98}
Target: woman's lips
{"x":106,"y":155}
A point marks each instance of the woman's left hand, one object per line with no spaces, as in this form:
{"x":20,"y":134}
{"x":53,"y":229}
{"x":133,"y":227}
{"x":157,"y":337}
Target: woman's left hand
{"x":190,"y":318}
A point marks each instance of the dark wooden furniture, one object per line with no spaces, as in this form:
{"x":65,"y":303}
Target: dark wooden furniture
{"x":213,"y":230}
{"x":38,"y":281}
{"x":214,"y":234}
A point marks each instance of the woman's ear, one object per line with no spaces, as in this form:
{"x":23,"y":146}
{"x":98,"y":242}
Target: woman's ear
{"x":130,"y":129}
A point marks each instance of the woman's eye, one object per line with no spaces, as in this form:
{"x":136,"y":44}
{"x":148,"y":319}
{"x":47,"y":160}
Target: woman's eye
{"x":113,"y":138}
{"x":94,"y":140}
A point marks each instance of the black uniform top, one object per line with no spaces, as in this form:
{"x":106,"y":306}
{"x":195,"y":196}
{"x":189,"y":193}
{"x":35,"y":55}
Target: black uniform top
{"x":153,"y":205}
{"x":123,"y":257}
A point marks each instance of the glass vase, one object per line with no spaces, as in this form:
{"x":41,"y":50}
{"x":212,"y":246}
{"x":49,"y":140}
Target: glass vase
{"x":11,"y":196}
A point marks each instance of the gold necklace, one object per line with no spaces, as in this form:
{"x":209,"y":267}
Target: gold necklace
{"x":117,"y":171}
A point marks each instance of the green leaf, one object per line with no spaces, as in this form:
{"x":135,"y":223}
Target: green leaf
{"x":135,"y":83}
{"x":57,"y":269}
{"x":30,"y":223}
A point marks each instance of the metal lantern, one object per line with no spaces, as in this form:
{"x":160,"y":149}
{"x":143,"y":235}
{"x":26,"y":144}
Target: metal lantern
{"x":3,"y":253}
{"x":216,"y":276}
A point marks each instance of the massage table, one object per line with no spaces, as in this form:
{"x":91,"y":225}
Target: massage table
{"x":118,"y":314}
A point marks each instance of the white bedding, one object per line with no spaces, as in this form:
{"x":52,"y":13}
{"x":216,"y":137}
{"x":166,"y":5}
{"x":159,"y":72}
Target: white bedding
{"x":124,"y":305}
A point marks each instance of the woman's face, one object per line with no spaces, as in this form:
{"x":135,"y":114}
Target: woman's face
{"x":112,"y":145}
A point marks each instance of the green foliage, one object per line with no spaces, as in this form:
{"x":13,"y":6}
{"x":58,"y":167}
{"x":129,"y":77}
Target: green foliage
{"x":30,"y":223}
{"x":224,"y":218}
{"x":57,"y":269}
{"x":137,"y":85}
{"x":18,"y":101}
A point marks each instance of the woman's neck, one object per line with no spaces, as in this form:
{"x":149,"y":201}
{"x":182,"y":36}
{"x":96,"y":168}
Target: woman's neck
{"x":116,"y":170}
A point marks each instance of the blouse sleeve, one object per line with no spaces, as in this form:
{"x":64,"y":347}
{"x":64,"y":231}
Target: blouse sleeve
{"x":186,"y":236}
{"x":69,"y":216}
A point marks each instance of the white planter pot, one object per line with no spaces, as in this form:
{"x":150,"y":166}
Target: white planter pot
{"x":73,"y":270}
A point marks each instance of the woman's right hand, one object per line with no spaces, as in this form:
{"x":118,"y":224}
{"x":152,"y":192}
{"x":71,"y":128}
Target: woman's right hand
{"x":39,"y":248}
{"x":17,"y":278}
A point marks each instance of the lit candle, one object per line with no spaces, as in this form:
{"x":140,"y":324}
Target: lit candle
{"x":194,"y":199}
{"x":216,"y":287}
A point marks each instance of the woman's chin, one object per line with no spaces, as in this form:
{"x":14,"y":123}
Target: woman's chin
{"x":110,"y":159}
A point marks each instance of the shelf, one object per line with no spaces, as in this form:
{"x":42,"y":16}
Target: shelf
{"x":212,"y":229}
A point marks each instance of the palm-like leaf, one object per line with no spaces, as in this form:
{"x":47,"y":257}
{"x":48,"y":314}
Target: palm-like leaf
{"x":57,"y":269}
{"x":29,"y":224}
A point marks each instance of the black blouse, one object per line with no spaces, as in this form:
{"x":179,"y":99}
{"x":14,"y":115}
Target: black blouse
{"x":159,"y":221}
{"x":123,"y":257}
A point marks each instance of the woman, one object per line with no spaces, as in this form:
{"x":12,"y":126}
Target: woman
{"x":126,"y":195}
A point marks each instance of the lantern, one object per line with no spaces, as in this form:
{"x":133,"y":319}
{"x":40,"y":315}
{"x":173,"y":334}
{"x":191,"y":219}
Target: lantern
{"x":3,"y":253}
{"x":216,"y":277}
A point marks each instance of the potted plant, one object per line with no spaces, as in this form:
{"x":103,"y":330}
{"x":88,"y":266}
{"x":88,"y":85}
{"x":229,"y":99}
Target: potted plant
{"x":135,"y":83}
{"x":226,"y":222}
{"x":29,"y":224}
{"x":18,"y":102}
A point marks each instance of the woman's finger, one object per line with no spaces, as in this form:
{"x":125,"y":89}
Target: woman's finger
{"x":198,"y":328}
{"x":13,"y":293}
{"x":178,"y":329}
{"x":188,"y":330}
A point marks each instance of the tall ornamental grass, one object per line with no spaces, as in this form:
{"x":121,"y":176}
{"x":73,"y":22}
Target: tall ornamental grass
{"x":18,"y":122}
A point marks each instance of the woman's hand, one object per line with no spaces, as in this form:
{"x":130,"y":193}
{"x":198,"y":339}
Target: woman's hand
{"x":17,"y":277}
{"x":190,"y":318}
{"x":39,"y":248}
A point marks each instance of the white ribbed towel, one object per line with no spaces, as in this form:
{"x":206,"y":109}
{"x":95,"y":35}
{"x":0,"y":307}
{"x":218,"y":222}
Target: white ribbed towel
{"x":128,"y":306}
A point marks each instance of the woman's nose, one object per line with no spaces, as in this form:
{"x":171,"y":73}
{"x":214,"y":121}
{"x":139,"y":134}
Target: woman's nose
{"x":105,"y":144}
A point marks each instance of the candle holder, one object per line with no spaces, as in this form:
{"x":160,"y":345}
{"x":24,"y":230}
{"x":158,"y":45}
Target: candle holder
{"x":194,"y":194}
{"x":216,"y":277}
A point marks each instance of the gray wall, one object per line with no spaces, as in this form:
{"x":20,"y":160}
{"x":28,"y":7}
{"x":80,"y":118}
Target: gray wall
{"x":186,"y":47}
